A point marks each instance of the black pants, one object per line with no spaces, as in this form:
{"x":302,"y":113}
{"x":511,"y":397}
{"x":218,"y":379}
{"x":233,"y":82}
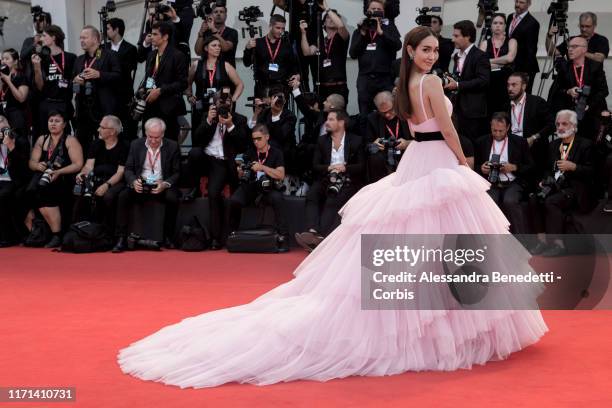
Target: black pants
{"x":247,"y":194}
{"x":87,"y":124}
{"x":128,"y":196}
{"x":102,"y":210}
{"x":172,"y":125}
{"x":509,"y":200}
{"x":187,"y":15}
{"x":472,"y":128}
{"x":322,"y":209}
{"x":377,"y":166}
{"x":367,"y":88}
{"x":13,"y":210}
{"x":220,"y":173}
{"x":608,"y":172}
{"x":549,"y":216}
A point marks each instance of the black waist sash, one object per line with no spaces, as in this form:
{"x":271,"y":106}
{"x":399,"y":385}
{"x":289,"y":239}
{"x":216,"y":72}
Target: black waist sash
{"x":428,"y":136}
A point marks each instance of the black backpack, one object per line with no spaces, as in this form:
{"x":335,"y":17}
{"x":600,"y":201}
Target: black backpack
{"x":193,"y":236}
{"x":39,"y":235}
{"x":85,"y":236}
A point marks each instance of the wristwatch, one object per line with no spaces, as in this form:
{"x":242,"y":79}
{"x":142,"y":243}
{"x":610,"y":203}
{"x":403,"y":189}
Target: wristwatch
{"x":108,"y":184}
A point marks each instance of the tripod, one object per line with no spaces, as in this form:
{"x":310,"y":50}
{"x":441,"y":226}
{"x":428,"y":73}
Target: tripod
{"x":549,"y":65}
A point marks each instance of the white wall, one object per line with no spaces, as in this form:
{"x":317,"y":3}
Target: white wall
{"x":19,"y":23}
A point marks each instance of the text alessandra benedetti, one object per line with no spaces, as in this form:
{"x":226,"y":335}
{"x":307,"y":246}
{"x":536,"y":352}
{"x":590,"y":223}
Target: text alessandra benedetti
{"x":493,"y":277}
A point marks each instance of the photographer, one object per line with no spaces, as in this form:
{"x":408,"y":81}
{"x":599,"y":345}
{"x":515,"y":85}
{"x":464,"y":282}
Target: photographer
{"x":504,"y":160}
{"x":261,"y":169}
{"x":598,"y":46}
{"x":575,"y":79}
{"x":14,"y":91}
{"x":332,"y":60}
{"x":32,"y":45}
{"x":275,"y":62}
{"x":97,"y":73}
{"x":525,"y":29}
{"x":55,"y":158}
{"x":151,"y":173}
{"x":340,"y":166}
{"x":473,"y":70}
{"x":446,"y":45}
{"x":163,"y":13}
{"x":216,"y":143}
{"x":375,"y":43}
{"x":388,"y":137}
{"x":14,"y":177}
{"x":392,"y":8}
{"x":214,"y":26}
{"x":185,"y":14}
{"x":501,"y":51}
{"x":127,"y":55}
{"x":217,"y":75}
{"x":530,"y":118}
{"x":567,"y":187}
{"x":101,"y":179}
{"x":165,"y":80}
{"x":52,"y":78}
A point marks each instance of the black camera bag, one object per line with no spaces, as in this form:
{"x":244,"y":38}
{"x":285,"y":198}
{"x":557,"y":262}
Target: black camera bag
{"x":84,"y":237}
{"x":193,"y":236}
{"x":261,"y":241}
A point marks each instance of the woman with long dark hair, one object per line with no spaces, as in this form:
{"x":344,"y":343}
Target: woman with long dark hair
{"x":316,"y":326}
{"x":14,"y":91}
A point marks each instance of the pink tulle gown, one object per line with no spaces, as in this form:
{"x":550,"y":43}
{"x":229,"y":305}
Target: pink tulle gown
{"x":313,"y":328}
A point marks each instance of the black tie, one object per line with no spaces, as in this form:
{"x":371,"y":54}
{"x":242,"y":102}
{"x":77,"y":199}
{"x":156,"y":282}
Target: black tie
{"x":456,"y":67}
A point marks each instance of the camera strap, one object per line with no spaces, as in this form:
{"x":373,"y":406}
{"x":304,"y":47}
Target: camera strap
{"x":397,"y":126}
{"x":579,"y":79}
{"x":59,"y":68}
{"x":502,"y":148}
{"x":3,"y":157}
{"x":153,"y":158}
{"x":57,"y":149}
{"x":85,"y":65}
{"x":564,"y":153}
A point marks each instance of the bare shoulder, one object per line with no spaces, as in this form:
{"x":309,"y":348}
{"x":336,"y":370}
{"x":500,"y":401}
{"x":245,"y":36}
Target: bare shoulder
{"x":72,"y":141}
{"x":432,"y":80}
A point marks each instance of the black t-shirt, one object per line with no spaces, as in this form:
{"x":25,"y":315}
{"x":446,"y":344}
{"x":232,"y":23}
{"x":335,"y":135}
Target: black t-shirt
{"x":107,"y":160}
{"x":56,"y":75}
{"x":274,"y":159}
{"x":597,"y":43}
{"x":338,"y":48}
{"x":228,"y":34}
{"x":7,"y":96}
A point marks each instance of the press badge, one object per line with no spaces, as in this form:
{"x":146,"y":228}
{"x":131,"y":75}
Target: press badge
{"x":273,"y":67}
{"x":371,"y":47}
{"x":62,"y":84}
{"x":327,"y":63}
{"x":3,"y":105}
{"x":260,"y":174}
{"x":385,"y":21}
{"x":150,"y":84}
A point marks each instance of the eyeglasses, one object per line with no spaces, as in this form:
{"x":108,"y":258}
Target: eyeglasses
{"x":574,"y":46}
{"x":105,"y":128}
{"x":258,"y":138}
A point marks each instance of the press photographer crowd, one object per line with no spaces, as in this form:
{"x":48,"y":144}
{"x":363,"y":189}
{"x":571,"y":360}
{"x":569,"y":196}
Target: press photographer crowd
{"x":82,"y":141}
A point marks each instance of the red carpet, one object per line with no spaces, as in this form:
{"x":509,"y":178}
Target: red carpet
{"x":64,"y":317}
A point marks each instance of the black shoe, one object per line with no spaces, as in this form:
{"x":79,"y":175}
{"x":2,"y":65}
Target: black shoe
{"x":55,"y":242}
{"x":215,"y":245}
{"x":120,"y":246}
{"x":283,"y":244}
{"x":6,"y":244}
{"x":608,"y":207}
{"x":554,"y":250}
{"x":168,"y":244}
{"x":192,"y":194}
{"x":539,"y":248}
{"x":132,"y":240}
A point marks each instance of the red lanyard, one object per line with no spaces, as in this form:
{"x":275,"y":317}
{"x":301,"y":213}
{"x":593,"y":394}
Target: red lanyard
{"x":211,"y":75}
{"x":515,"y":22}
{"x":329,"y":45}
{"x":2,"y":92}
{"x":503,"y":146}
{"x":579,"y":81}
{"x":49,"y":150}
{"x":60,"y":69}
{"x":154,"y":160}
{"x":519,"y":119}
{"x":373,"y":37}
{"x":265,"y":158}
{"x":565,"y":154}
{"x":221,"y":32}
{"x":275,"y":54}
{"x":397,"y":124}
{"x":496,"y":51}
{"x":222,"y":130}
{"x":84,"y":62}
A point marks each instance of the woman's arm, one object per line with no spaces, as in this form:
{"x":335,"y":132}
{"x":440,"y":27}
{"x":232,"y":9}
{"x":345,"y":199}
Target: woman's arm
{"x":75,"y":152}
{"x":21,"y":93}
{"x":509,"y":57}
{"x":233,"y":75}
{"x":435,"y":95}
{"x":34,"y":163}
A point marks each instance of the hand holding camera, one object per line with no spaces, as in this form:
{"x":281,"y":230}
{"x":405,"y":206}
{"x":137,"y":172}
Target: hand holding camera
{"x":225,"y":117}
{"x":565,"y":165}
{"x":153,"y":95}
{"x":138,"y":185}
{"x":90,"y":73}
{"x":212,"y":114}
{"x":251,"y":44}
{"x":160,"y":186}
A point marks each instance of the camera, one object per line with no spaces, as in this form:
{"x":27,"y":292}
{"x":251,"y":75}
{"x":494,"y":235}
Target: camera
{"x":45,"y":179}
{"x":5,"y":69}
{"x":445,"y":76}
{"x":6,"y":132}
{"x":139,"y":104}
{"x":486,"y":9}
{"x":549,"y":185}
{"x":147,"y":185}
{"x":88,"y":87}
{"x":160,"y":12}
{"x":424,"y":19}
{"x":42,"y":51}
{"x":558,"y":13}
{"x":206,"y":7}
{"x":38,"y":14}
{"x":223,"y":111}
{"x":250,"y":14}
{"x":389,"y":144}
{"x":252,"y":105}
{"x":495,"y":166}
{"x":581,"y":102}
{"x":267,"y":184}
{"x":244,"y":165}
{"x":371,"y":22}
{"x":336,"y":181}
{"x":87,"y":187}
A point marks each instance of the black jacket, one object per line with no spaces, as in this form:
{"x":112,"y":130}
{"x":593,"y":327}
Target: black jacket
{"x":594,"y":76}
{"x":518,"y":154}
{"x":17,"y":163}
{"x":471,"y":98}
{"x":537,"y":117}
{"x":354,"y":156}
{"x":260,"y":56}
{"x":234,"y":142}
{"x":380,"y":60}
{"x":105,"y":87}
{"x":128,"y":59}
{"x":376,"y":128}
{"x":170,"y":160}
{"x":171,"y":77}
{"x":526,"y":35}
{"x":282,"y":132}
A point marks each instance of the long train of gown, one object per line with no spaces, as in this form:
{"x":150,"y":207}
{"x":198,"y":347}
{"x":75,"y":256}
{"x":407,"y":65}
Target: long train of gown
{"x":313,"y":327}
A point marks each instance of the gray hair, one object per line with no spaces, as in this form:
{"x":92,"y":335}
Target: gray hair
{"x":573,"y":117}
{"x":589,"y":14}
{"x":337,"y":101}
{"x":115,"y":123}
{"x":384,"y":96}
{"x":155,"y":122}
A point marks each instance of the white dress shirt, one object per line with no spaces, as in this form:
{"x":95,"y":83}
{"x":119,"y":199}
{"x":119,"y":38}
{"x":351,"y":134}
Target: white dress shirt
{"x":462,"y":57}
{"x":115,"y":47}
{"x":517,"y":113}
{"x":337,"y":156}
{"x":503,"y":158}
{"x":3,"y":162}
{"x":152,"y":173}
{"x":215,"y":147}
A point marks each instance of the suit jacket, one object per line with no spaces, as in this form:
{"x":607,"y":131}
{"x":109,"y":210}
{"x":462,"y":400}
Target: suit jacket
{"x":171,"y":78}
{"x":471,"y":99}
{"x":105,"y":87}
{"x":518,"y":154}
{"x":594,"y":76}
{"x":282,"y":132}
{"x":234,"y":142}
{"x":17,"y":163}
{"x":128,"y":59}
{"x":170,"y":161}
{"x":313,"y":120}
{"x":376,"y":128}
{"x":354,"y":156}
{"x":526,"y":35}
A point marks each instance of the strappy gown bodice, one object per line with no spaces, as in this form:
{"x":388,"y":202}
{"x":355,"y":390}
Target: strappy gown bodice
{"x":430,"y":125}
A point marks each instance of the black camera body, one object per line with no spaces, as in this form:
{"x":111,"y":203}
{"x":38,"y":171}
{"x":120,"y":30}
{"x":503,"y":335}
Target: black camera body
{"x":250,"y":14}
{"x":45,"y":179}
{"x":549,"y":186}
{"x":6,"y":132}
{"x":38,"y":14}
{"x":558,"y":12}
{"x":581,"y":103}
{"x":495,"y":165}
{"x":147,"y":187}
{"x":424,"y":18}
{"x":88,"y":186}
{"x":371,"y":22}
{"x":139,"y":104}
{"x":206,"y":7}
{"x":5,"y":69}
{"x":445,"y":76}
{"x":336,"y":181}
